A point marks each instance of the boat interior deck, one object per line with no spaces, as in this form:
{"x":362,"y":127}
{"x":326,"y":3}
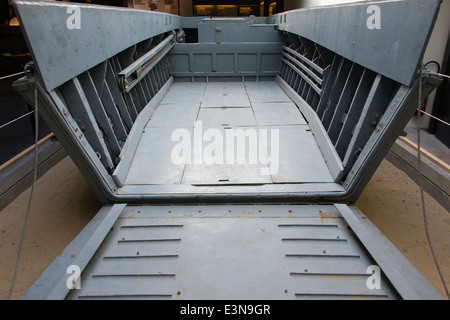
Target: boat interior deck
{"x":209,"y":119}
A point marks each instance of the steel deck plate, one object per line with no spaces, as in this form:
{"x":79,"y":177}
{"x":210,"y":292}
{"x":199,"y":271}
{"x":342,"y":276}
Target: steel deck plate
{"x":299,"y":158}
{"x":230,"y":252}
{"x":225,"y":94}
{"x":181,"y":92}
{"x":227,"y":117}
{"x":168,"y":115}
{"x":152,"y":163}
{"x":265,"y":91}
{"x":277,"y":113}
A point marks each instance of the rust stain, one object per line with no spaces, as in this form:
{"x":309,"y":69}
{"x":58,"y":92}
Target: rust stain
{"x":335,"y":278}
{"x":324,"y":215}
{"x":131,"y":216}
{"x":263,"y":230}
{"x":290,"y":212}
{"x":247,"y":213}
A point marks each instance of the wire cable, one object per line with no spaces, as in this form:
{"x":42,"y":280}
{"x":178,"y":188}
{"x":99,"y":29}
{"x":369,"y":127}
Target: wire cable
{"x":18,"y":118}
{"x":431,"y":116}
{"x":36,"y":138}
{"x":422,"y":198}
{"x":12,"y":75}
{"x":436,"y":73}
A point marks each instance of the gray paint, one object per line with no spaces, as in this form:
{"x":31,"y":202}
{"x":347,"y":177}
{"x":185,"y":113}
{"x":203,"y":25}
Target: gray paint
{"x":168,"y":245}
{"x":209,"y":251}
{"x":395,"y":50}
{"x":104,"y":31}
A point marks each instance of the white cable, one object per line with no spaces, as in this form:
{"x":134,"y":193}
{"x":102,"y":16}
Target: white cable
{"x":436,"y":73}
{"x":12,"y":75}
{"x":12,"y":121}
{"x":422,"y":198}
{"x":36,"y":138}
{"x":431,"y":116}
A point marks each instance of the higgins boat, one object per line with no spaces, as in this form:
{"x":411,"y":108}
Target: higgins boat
{"x":228,"y":152}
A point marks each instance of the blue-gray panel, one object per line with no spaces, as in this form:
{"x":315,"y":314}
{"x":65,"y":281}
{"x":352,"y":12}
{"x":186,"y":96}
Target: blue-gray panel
{"x":152,"y":162}
{"x":235,"y":30}
{"x":225,"y":59}
{"x":62,"y":53}
{"x":252,"y":251}
{"x":394,"y":50}
{"x":230,"y":252}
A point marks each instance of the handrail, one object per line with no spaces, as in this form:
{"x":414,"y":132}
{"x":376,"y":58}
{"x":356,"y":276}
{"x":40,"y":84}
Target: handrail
{"x":304,"y":59}
{"x":131,"y":75}
{"x":303,"y":67}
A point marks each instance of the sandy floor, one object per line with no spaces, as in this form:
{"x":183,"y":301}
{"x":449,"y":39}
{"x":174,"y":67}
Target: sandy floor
{"x":64,"y":203}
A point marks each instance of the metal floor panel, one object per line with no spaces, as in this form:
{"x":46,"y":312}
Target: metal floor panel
{"x":225,"y":94}
{"x":265,"y":91}
{"x":300,"y":157}
{"x":230,"y":252}
{"x":223,"y":174}
{"x":227,"y":117}
{"x":181,"y":92}
{"x":294,"y":158}
{"x":249,"y":164}
{"x":277,"y":113}
{"x":168,"y":115}
{"x":152,"y":163}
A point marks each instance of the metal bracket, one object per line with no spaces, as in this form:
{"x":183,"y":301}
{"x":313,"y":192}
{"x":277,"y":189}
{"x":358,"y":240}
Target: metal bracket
{"x":218,"y":35}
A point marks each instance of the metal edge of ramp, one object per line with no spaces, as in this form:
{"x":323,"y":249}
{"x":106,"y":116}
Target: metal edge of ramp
{"x":52,"y":283}
{"x":230,"y":252}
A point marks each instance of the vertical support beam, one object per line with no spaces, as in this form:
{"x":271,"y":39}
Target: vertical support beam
{"x":344,"y":101}
{"x":335,"y":93}
{"x":329,"y":75}
{"x":131,"y":106}
{"x":82,"y":113}
{"x":98,"y":111}
{"x":354,"y":111}
{"x":151,"y":79}
{"x":375,"y":104}
{"x":113,"y":113}
{"x":138,"y":100}
{"x":98,"y":74}
{"x":113,"y":88}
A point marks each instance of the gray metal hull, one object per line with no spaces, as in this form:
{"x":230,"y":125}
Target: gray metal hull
{"x":188,"y":230}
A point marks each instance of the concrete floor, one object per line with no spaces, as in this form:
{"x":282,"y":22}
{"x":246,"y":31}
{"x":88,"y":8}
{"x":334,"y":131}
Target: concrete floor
{"x":64,"y":203}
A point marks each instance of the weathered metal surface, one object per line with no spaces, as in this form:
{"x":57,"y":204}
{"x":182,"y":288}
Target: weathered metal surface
{"x":393,"y":47}
{"x":223,"y":30}
{"x":229,"y":60}
{"x":135,"y":72}
{"x":226,"y":107}
{"x":344,"y":102}
{"x":103,"y":32}
{"x":236,"y":252}
{"x":52,"y":284}
{"x":336,"y":106}
{"x":211,"y":253}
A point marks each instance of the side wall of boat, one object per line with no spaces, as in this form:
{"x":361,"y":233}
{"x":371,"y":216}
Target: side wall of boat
{"x":95,"y":110}
{"x":97,"y":98}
